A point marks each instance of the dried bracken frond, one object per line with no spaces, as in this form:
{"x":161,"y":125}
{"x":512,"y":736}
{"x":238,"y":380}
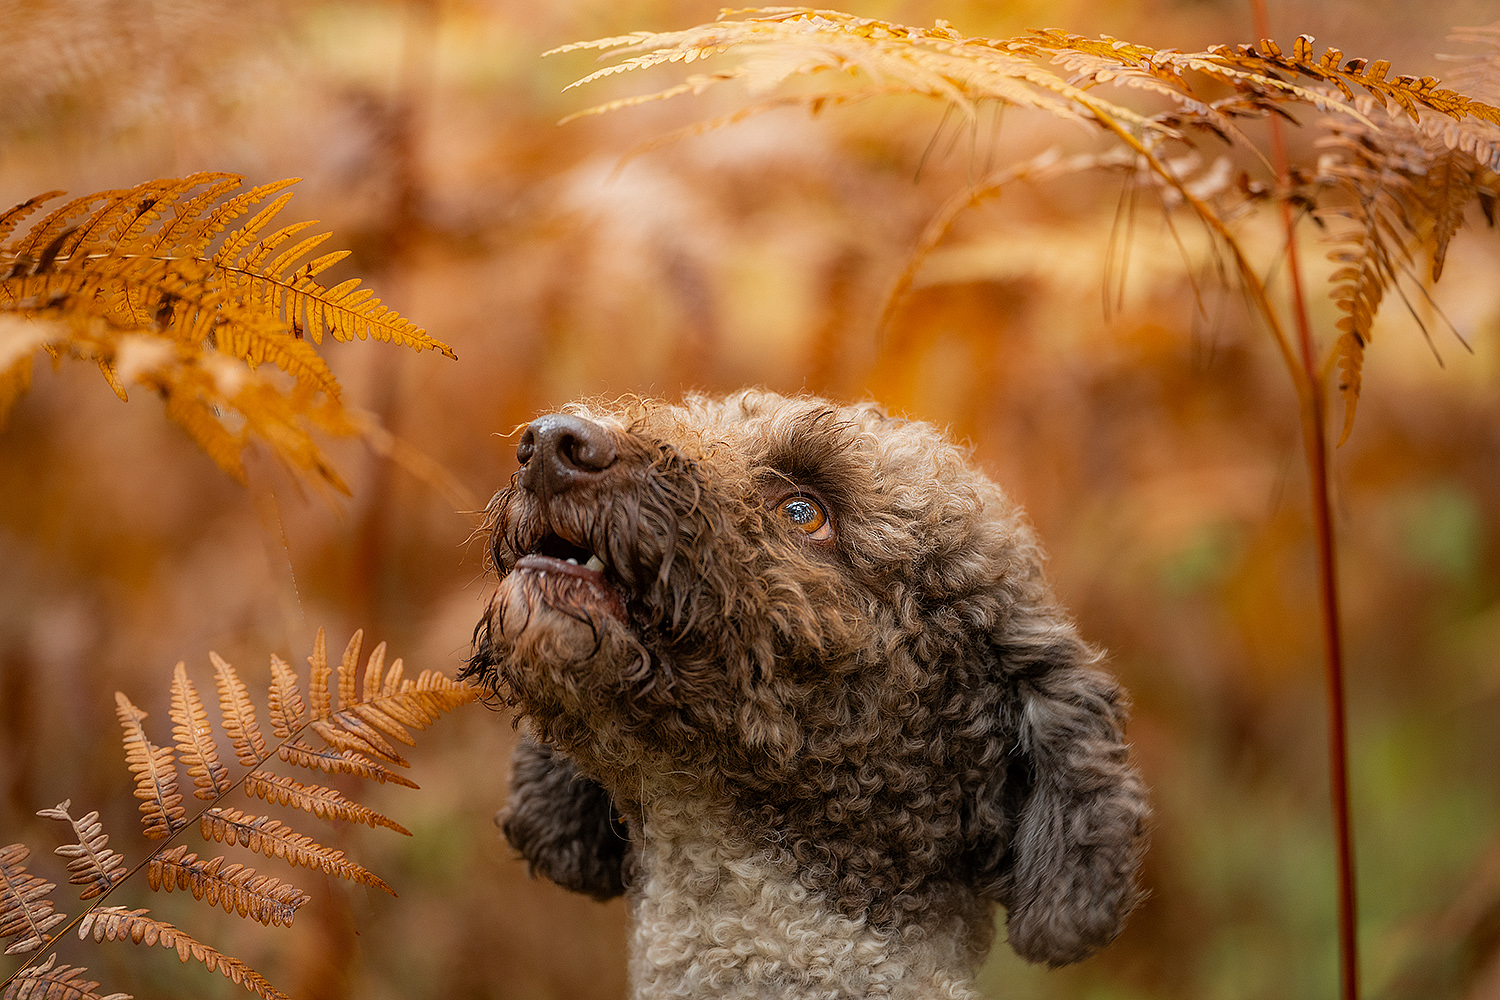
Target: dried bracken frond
{"x":238,"y":712}
{"x":325,"y":803}
{"x":236,"y":888}
{"x":274,"y":839}
{"x":115,"y":923}
{"x":50,"y":981}
{"x":162,"y":812}
{"x":778,"y":43}
{"x":1417,"y":153}
{"x":194,"y":736}
{"x":26,"y":912}
{"x":90,"y":863}
{"x":137,"y":285}
{"x":1401,"y":187}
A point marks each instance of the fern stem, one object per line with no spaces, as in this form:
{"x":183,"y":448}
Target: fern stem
{"x":1315,"y":441}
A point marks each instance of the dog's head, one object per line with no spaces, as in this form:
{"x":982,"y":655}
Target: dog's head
{"x":827,"y":619}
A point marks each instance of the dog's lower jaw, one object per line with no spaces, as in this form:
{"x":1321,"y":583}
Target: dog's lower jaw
{"x":717,"y":915}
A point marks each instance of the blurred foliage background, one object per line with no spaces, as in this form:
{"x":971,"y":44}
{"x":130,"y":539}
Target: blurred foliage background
{"x":1154,"y":442}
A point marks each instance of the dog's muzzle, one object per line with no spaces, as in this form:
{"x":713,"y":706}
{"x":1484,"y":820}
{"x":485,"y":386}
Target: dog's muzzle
{"x":562,"y":455}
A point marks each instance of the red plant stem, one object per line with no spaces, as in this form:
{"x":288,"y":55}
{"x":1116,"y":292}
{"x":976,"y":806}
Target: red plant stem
{"x":1315,"y":442}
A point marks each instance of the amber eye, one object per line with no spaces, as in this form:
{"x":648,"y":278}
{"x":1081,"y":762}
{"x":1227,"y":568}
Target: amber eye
{"x":807,"y":515}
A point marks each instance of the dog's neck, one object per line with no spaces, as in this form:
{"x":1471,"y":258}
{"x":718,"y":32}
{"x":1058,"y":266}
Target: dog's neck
{"x":719,"y":912}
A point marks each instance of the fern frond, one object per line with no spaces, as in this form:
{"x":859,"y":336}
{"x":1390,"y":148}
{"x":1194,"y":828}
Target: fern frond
{"x":26,"y":911}
{"x":1404,"y":188}
{"x":324,"y":803}
{"x":194,"y":735}
{"x":118,"y":267}
{"x":236,"y":888}
{"x":274,"y":839}
{"x":238,"y":713}
{"x":115,"y":923}
{"x":49,"y":981}
{"x":1417,"y":152}
{"x":91,"y":863}
{"x":162,"y":813}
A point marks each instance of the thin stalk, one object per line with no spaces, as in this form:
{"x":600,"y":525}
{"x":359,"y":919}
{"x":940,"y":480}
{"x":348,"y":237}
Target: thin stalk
{"x":1315,"y":445}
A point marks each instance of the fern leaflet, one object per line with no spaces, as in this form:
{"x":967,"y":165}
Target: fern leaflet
{"x":162,"y":812}
{"x":194,"y":736}
{"x":91,"y":863}
{"x":50,"y":981}
{"x":25,"y":905}
{"x":234,"y":887}
{"x":324,"y":803}
{"x":115,"y":923}
{"x":274,"y":839}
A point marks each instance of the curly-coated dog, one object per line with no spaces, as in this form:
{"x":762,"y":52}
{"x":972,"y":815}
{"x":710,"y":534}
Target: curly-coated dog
{"x":792,"y":680}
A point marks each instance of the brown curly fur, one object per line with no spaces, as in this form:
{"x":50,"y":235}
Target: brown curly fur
{"x":888,"y":732}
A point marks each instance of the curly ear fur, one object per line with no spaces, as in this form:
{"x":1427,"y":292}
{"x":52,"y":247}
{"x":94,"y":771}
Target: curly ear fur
{"x":1076,"y":816}
{"x":565,"y":824}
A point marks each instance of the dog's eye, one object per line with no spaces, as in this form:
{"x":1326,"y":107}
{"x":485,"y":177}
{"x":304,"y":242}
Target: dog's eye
{"x":807,"y":515}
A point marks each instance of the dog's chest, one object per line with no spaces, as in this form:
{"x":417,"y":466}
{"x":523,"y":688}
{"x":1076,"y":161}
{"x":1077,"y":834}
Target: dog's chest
{"x":716,"y":915}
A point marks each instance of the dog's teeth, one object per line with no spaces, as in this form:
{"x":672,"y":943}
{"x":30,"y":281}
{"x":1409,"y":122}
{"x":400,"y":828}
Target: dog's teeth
{"x":595,"y":563}
{"x":571,"y":562}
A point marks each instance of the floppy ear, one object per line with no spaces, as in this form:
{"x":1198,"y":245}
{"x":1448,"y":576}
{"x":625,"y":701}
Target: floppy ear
{"x":565,"y":824}
{"x":1067,"y":826}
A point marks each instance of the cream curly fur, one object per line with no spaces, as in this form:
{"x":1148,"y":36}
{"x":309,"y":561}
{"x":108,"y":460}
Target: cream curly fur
{"x":814,"y":756}
{"x":716,"y":914}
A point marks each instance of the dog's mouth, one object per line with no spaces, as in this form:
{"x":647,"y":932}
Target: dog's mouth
{"x":555,"y":556}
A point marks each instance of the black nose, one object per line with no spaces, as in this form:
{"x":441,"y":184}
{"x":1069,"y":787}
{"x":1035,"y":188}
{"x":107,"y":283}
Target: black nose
{"x":561,"y":451}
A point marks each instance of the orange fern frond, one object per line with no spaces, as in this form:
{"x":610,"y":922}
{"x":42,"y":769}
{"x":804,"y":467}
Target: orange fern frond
{"x":91,"y":863}
{"x":26,"y":911}
{"x":136,"y":282}
{"x":236,"y":888}
{"x":238,"y":713}
{"x":324,"y":803}
{"x":274,"y":839}
{"x":1416,"y":154}
{"x":162,"y":812}
{"x":49,"y":981}
{"x":115,"y":923}
{"x":1403,"y":189}
{"x":194,"y":736}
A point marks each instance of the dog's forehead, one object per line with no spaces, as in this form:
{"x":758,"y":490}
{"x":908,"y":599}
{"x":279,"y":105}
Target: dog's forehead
{"x":858,"y":450}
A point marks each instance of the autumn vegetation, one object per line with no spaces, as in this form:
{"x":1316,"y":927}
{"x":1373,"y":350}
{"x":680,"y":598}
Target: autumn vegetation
{"x":1182,"y":292}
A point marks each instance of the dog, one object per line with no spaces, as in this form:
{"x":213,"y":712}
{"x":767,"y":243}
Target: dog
{"x":791,"y":679}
